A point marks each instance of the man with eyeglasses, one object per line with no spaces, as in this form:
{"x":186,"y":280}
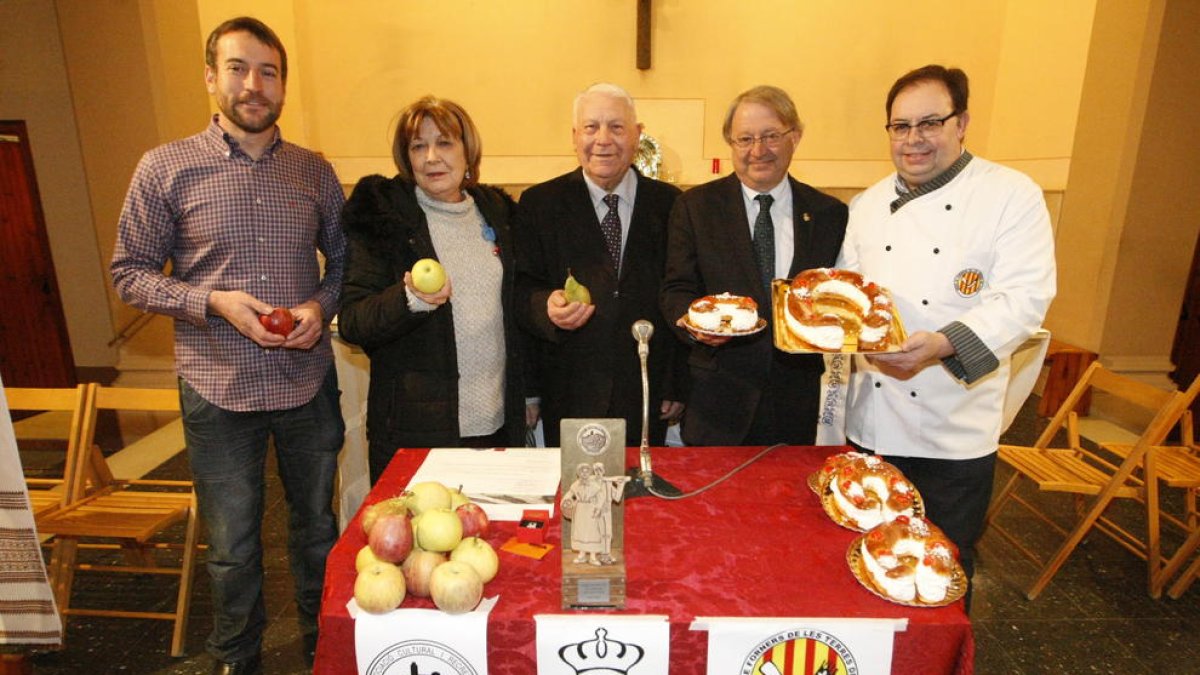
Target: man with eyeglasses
{"x":734,"y":235}
{"x":966,"y":248}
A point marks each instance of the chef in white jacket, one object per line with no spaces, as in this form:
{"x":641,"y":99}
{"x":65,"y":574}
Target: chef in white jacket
{"x":965,"y":246}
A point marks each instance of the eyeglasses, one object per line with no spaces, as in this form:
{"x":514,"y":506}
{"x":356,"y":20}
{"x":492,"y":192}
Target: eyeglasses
{"x":771,"y":139}
{"x":899,"y":130}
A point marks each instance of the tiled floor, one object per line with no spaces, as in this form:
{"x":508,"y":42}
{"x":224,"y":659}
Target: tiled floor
{"x":1094,"y":617}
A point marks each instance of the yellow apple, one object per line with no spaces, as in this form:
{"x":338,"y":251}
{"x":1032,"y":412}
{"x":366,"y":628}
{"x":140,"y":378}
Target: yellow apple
{"x":379,"y":588}
{"x":427,"y":495}
{"x":364,"y":559}
{"x":428,"y":275}
{"x":439,"y":530}
{"x":478,"y":554}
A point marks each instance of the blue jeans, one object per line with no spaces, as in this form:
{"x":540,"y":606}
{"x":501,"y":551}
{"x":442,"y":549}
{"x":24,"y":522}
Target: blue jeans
{"x":228,"y":452}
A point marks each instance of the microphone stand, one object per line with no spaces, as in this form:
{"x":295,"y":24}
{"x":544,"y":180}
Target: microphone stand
{"x":642,"y":330}
{"x":645,"y":483}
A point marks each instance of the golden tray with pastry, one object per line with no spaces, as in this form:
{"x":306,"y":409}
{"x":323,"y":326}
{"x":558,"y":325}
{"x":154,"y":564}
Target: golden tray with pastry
{"x":829,"y":311}
{"x":724,"y":315}
{"x":860,"y":491}
{"x":908,"y":561}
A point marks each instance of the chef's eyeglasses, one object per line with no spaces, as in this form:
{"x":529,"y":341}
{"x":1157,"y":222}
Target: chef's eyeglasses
{"x":899,"y":130}
{"x":771,"y":139}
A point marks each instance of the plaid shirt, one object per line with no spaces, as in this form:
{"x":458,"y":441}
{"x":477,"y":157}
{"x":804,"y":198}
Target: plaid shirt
{"x":228,"y":222}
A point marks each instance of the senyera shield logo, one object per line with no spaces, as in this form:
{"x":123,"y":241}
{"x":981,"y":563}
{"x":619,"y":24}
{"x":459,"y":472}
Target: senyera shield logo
{"x":800,"y":652}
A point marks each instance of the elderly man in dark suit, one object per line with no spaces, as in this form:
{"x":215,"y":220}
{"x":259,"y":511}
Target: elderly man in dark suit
{"x":735,"y":235}
{"x":605,"y":224}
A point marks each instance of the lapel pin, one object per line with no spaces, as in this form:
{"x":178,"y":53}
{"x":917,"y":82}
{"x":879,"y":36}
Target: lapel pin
{"x":806,"y":217}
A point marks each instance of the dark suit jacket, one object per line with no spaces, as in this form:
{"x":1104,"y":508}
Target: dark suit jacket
{"x":711,"y":252}
{"x":594,"y":371}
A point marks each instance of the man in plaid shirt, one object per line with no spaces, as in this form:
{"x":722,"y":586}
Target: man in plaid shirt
{"x":238,"y":213}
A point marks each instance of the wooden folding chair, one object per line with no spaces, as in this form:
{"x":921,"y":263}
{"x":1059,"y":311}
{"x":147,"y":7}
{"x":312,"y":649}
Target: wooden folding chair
{"x":59,"y":421}
{"x":128,"y":514}
{"x":1175,"y":466}
{"x":1076,"y":471}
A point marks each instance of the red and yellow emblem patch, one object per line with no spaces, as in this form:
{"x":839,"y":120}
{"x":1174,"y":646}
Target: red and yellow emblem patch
{"x":817,"y":654}
{"x":968,"y":282}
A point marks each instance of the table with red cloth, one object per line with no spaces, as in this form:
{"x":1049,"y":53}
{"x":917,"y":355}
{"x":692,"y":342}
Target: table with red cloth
{"x":758,"y":544}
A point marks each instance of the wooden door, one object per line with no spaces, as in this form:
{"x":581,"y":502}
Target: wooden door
{"x":35,"y":350}
{"x":1186,"y":352}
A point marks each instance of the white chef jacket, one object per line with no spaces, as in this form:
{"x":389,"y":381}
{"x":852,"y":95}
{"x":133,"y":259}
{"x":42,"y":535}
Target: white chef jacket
{"x":980,"y":251}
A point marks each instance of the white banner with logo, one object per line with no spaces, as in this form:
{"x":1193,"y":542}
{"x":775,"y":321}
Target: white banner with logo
{"x":782,"y":646}
{"x":831,"y":418}
{"x":406,"y":641}
{"x":631,"y":644}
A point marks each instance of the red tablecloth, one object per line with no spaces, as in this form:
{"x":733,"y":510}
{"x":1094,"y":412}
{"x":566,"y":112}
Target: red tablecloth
{"x":759,"y":544}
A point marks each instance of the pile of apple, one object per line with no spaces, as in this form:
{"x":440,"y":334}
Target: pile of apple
{"x":427,"y":542}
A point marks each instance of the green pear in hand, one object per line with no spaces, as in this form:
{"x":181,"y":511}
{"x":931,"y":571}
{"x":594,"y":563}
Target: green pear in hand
{"x":575,"y":291}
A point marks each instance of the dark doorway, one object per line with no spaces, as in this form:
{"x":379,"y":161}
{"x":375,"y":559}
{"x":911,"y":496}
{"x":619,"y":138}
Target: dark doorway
{"x":35,"y":350}
{"x":1185,"y":354}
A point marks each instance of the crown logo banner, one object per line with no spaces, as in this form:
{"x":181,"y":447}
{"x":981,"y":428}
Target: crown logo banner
{"x":605,"y":644}
{"x":801,"y":646}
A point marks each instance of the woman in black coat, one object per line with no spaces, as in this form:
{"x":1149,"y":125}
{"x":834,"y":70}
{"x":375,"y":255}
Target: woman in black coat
{"x":446,"y":363}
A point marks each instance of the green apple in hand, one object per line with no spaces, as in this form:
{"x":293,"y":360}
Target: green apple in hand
{"x":428,"y":275}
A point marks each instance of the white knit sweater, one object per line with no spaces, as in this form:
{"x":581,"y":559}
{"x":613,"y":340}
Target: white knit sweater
{"x":475,"y":274}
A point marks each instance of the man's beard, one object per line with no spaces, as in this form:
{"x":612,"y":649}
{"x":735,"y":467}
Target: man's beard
{"x":231,"y":112}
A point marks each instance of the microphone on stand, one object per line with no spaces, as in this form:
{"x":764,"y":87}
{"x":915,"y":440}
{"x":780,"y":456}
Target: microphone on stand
{"x":642,"y":330}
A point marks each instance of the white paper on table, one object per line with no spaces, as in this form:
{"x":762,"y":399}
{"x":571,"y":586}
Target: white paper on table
{"x":504,"y":482}
{"x":744,"y":645}
{"x":407,"y":641}
{"x":603,"y":643}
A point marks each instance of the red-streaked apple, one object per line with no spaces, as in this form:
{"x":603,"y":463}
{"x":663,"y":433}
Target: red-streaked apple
{"x":428,"y":275}
{"x":391,"y":538}
{"x":379,"y":588}
{"x":439,"y":530}
{"x":455,"y":587}
{"x":280,"y":321}
{"x":393,"y":505}
{"x":425,"y":496}
{"x":478,"y":554}
{"x":474,"y":520}
{"x":417,"y":569}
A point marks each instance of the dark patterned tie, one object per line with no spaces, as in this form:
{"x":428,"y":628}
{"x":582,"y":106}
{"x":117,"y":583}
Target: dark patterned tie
{"x":611,"y":227}
{"x":764,"y":241}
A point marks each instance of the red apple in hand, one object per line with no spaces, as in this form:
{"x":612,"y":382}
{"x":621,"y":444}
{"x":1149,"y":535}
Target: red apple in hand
{"x":474,"y":520}
{"x":391,"y":538}
{"x":280,"y":321}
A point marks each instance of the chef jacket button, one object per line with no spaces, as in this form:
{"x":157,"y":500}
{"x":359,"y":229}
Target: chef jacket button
{"x":912,"y":394}
{"x":888,"y":247}
{"x":878,"y":385}
{"x":937,"y":251}
{"x":948,"y":207}
{"x":924,"y":302}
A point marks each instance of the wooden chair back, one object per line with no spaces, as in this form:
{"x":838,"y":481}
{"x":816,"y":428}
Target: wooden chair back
{"x":47,"y":493}
{"x":131,"y":513}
